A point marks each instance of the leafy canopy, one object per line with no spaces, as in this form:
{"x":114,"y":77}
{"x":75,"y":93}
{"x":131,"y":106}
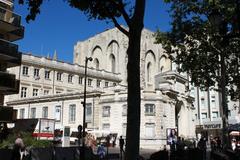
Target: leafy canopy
{"x":197,"y":46}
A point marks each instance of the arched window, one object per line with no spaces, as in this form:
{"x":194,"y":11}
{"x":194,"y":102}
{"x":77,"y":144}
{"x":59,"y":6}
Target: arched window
{"x":149,"y":71}
{"x":162,"y":64}
{"x":113,"y":63}
{"x":96,"y":62}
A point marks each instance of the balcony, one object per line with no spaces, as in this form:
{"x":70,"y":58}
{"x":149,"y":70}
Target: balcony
{"x":7,"y":114}
{"x":7,"y":2}
{"x":10,"y":24}
{"x":8,"y":83}
{"x":9,"y":53}
{"x":171,"y":83}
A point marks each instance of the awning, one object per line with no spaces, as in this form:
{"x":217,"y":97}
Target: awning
{"x":234,"y":133}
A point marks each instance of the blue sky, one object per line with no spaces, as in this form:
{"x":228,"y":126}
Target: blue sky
{"x":59,"y":27}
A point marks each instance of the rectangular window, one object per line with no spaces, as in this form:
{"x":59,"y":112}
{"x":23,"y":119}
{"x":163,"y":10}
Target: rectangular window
{"x":70,"y":78}
{"x":59,"y":76}
{"x":80,"y":80}
{"x":196,"y":116}
{"x":114,"y":84}
{"x":98,"y":83}
{"x":124,"y":110}
{"x":22,"y":113}
{"x":106,"y":84}
{"x":33,"y":113}
{"x":150,"y":130}
{"x":45,"y":112}
{"x":25,"y":70}
{"x":36,"y":73}
{"x":213,"y":101}
{"x":106,"y":111}
{"x":124,"y":129}
{"x":214,"y":114}
{"x":72,"y":113}
{"x":89,"y":82}
{"x":23,"y":92}
{"x":58,"y":92}
{"x":47,"y":74}
{"x":35,"y":92}
{"x":46,"y":92}
{"x":89,"y":112}
{"x":202,"y":102}
{"x":204,"y":115}
{"x":149,"y":109}
{"x":229,"y":113}
{"x":106,"y":126}
{"x":58,"y":113}
{"x":192,"y":91}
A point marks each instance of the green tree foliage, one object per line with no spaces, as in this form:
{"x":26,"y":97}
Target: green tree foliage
{"x":197,"y":46}
{"x":110,"y":10}
{"x":28,"y":140}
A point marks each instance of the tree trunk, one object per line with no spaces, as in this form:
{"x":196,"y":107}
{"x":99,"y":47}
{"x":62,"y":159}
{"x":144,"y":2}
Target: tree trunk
{"x":134,"y":94}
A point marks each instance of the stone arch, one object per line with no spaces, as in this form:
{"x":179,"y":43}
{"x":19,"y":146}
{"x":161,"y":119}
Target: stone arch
{"x":164,"y":64}
{"x":180,"y":117}
{"x":150,"y":67}
{"x":112,"y":61}
{"x":113,"y":56}
{"x":98,"y":57}
{"x":149,"y":72}
{"x":96,"y":63}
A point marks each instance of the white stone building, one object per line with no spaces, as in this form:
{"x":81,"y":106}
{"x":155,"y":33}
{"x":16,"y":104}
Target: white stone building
{"x":208,"y":111}
{"x":54,"y":89}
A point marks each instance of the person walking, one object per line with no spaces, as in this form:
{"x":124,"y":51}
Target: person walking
{"x":121,"y":144}
{"x":17,"y":148}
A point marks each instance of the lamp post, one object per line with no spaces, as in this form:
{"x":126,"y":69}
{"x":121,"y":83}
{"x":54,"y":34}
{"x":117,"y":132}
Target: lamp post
{"x":84,"y":106}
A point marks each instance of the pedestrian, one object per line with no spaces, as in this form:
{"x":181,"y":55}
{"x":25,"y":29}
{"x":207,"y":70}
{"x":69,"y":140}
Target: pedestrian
{"x":219,"y":143}
{"x":202,"y":147}
{"x":18,"y":148}
{"x":233,"y":144}
{"x":121,"y":144}
{"x":101,"y":151}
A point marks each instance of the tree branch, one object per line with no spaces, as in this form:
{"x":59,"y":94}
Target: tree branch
{"x":124,"y":31}
{"x":123,"y":11}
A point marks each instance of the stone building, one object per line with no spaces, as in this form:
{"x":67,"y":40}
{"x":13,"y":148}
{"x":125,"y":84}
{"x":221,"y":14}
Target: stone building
{"x":54,"y":89}
{"x":208,"y":111}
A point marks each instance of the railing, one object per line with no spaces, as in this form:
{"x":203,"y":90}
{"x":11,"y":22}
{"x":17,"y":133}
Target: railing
{"x":10,"y":17}
{"x":9,"y":49}
{"x":8,"y":82}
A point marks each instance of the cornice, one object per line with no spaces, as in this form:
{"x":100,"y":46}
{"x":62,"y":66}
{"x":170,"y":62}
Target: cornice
{"x":70,"y":68}
{"x":56,"y":97}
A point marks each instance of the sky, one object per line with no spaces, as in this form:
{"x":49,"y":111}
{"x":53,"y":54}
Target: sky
{"x":59,"y":27}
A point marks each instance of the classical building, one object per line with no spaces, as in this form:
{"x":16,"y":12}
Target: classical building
{"x":208,"y":111}
{"x":10,"y":31}
{"x":54,"y":89}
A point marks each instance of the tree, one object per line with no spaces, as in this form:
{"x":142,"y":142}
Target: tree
{"x":133,"y":16}
{"x":208,"y":52}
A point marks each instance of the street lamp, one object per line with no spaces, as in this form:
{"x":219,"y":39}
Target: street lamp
{"x":84,"y":106}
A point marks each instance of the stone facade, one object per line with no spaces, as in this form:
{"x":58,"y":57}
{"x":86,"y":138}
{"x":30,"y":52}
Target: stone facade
{"x":54,"y":89}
